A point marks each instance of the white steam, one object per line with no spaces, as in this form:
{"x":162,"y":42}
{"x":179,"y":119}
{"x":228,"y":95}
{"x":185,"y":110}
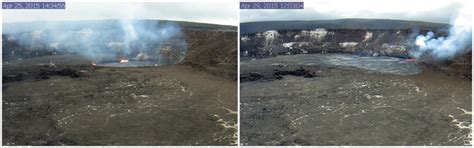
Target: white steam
{"x":445,"y":48}
{"x":108,"y":40}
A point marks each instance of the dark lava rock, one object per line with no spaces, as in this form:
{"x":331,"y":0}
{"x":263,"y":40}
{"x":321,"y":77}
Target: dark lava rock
{"x":13,"y":77}
{"x":46,"y":73}
{"x":298,"y":72}
{"x":250,"y":77}
{"x":277,"y":74}
{"x":68,"y":72}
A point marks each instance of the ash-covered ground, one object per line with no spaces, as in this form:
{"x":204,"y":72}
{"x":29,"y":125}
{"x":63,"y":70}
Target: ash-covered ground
{"x":62,"y":99}
{"x":342,"y":99}
{"x":350,"y":82}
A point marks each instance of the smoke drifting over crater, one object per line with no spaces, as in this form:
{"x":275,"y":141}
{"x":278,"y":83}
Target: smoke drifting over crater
{"x":457,"y":42}
{"x":104,"y":41}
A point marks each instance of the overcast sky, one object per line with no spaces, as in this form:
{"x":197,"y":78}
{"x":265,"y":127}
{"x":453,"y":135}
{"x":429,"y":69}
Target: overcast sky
{"x":226,"y":12}
{"x":216,"y":12}
{"x":420,"y":10}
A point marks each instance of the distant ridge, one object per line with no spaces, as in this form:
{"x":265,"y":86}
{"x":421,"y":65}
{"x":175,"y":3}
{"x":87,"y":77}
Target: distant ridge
{"x":252,"y":27}
{"x":19,"y":27}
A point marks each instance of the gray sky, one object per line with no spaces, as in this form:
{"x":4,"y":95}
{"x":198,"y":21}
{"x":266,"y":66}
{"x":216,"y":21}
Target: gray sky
{"x":216,"y":12}
{"x":420,"y":10}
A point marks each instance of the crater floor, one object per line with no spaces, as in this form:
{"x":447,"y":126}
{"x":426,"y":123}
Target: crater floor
{"x":75,"y":104}
{"x":351,"y":100}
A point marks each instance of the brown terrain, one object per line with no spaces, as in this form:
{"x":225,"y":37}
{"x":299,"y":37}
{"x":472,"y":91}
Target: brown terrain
{"x":354,"y":85}
{"x":53,"y":98}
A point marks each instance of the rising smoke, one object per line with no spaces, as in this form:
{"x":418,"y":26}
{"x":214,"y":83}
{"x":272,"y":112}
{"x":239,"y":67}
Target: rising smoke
{"x":457,"y":42}
{"x":107,"y":40}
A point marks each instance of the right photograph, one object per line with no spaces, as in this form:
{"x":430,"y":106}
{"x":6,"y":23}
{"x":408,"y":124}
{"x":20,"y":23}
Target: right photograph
{"x":360,"y":72}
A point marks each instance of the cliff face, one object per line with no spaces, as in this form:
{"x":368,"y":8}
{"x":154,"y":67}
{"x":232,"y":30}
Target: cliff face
{"x":375,"y":42}
{"x":213,"y":51}
{"x":367,"y":42}
{"x":208,"y":47}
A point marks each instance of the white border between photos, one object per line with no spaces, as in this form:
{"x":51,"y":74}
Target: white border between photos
{"x":238,"y":84}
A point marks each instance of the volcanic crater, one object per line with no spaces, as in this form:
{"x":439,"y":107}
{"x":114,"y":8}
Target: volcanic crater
{"x":350,"y":82}
{"x":106,"y":83}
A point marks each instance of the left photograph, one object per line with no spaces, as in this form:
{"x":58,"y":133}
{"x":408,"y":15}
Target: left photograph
{"x":120,"y":74}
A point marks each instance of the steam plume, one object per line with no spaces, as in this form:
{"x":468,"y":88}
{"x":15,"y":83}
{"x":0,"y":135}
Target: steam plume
{"x":445,"y":48}
{"x":107,"y":40}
